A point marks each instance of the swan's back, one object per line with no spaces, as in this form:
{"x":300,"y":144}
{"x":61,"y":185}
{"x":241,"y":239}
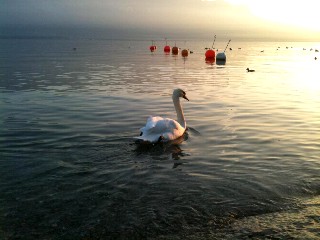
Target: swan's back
{"x":161,"y":129}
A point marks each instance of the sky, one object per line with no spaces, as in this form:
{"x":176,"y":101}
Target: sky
{"x":265,"y":19}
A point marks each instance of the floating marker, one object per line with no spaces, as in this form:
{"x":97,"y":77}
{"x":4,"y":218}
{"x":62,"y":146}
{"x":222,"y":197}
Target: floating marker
{"x":167,"y":49}
{"x":221,"y":56}
{"x":210,"y":54}
{"x":153,"y":47}
{"x":184,"y":53}
{"x":175,"y":50}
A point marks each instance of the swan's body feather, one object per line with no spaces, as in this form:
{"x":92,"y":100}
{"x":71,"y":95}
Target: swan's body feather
{"x":159,"y":129}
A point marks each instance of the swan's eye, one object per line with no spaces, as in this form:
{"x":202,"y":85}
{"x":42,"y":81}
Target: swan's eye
{"x":141,"y":133}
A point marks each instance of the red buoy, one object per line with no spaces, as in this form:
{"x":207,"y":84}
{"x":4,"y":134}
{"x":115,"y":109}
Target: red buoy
{"x":210,"y":61}
{"x":175,"y":50}
{"x":184,"y":53}
{"x":153,"y":48}
{"x":166,"y":49}
{"x":210,"y":54}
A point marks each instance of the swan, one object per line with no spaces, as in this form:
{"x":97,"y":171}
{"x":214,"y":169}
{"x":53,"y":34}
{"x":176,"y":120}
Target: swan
{"x":159,"y":129}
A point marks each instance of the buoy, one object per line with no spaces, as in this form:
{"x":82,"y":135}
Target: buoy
{"x":221,"y":56}
{"x":175,"y":50}
{"x":167,"y":49}
{"x":210,"y":61}
{"x":210,"y":54}
{"x":184,"y":53}
{"x":153,"y":48}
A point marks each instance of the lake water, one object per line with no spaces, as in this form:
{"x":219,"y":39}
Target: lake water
{"x":248,"y":167}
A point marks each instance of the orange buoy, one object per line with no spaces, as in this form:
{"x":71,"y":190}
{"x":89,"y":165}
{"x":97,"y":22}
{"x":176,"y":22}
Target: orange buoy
{"x":175,"y":50}
{"x":167,"y":49}
{"x":210,"y":54}
{"x":184,"y":53}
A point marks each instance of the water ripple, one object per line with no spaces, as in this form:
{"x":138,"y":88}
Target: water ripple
{"x":68,"y":119}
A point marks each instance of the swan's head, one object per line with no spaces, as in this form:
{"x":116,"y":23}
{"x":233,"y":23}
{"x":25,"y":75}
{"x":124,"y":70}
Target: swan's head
{"x":179,"y":93}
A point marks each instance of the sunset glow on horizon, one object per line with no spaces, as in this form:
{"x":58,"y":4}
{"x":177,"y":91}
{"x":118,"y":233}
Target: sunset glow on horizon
{"x":293,"y":13}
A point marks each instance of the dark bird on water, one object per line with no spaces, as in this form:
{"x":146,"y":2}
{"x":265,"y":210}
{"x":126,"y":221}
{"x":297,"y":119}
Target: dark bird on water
{"x":250,"y":70}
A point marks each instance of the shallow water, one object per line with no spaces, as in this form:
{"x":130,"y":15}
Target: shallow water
{"x":69,"y":166}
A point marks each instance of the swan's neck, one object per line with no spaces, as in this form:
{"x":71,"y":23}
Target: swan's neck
{"x":179,"y":111}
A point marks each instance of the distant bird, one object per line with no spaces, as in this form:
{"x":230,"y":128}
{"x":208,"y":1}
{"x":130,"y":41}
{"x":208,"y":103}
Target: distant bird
{"x":262,"y":51}
{"x":191,"y":52}
{"x":74,"y":49}
{"x":160,"y":129}
{"x":315,"y":58}
{"x":230,"y":49}
{"x":250,"y":70}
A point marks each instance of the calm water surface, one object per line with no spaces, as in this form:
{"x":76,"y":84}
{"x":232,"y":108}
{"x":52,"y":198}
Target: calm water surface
{"x":70,"y":169}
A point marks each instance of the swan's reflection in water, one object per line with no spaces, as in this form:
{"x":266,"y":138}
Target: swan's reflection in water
{"x":172,"y":149}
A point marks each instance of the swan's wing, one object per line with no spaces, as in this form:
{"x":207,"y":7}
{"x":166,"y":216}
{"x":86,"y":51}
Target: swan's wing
{"x":149,"y":131}
{"x":152,"y":122}
{"x":157,"y":127}
{"x":170,"y":129}
{"x":167,"y":125}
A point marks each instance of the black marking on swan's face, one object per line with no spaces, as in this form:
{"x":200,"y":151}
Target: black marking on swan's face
{"x":184,"y":95}
{"x":141,"y":133}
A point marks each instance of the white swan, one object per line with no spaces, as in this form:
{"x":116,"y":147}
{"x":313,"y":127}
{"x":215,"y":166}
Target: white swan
{"x":160,"y":129}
